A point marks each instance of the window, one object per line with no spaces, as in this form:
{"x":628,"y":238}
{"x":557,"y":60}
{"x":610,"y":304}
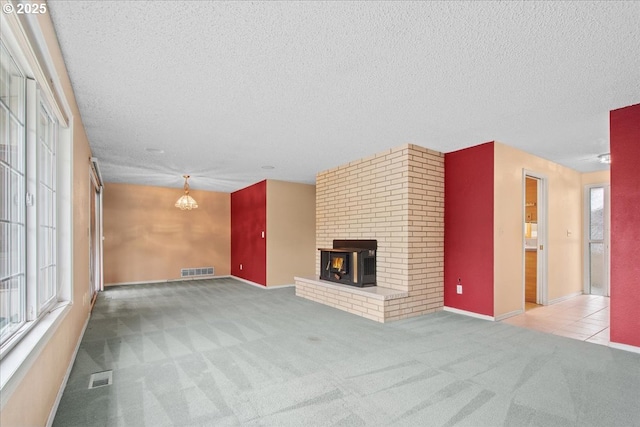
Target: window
{"x":597,"y":223}
{"x":12,"y":183}
{"x":46,"y":135}
{"x":28,"y":222}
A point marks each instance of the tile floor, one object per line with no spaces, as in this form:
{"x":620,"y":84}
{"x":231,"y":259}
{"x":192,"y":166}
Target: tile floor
{"x":585,"y":318}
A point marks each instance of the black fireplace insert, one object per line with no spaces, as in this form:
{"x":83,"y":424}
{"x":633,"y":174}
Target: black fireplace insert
{"x":350,"y":262}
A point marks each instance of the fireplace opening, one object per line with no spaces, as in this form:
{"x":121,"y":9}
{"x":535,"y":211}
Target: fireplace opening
{"x":338,"y":265}
{"x":350,"y":262}
{"x":337,"y":261}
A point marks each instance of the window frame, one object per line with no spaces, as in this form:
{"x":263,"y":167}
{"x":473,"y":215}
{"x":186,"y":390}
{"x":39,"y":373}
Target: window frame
{"x":35,"y":211}
{"x":38,"y":326}
{"x":16,"y":216}
{"x":46,"y":218}
{"x":24,"y":38}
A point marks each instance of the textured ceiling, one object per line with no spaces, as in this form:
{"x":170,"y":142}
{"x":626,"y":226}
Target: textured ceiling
{"x":227,"y":88}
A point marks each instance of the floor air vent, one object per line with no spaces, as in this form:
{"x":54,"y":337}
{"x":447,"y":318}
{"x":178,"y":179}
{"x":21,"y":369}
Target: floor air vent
{"x":195,"y":272}
{"x":101,"y":379}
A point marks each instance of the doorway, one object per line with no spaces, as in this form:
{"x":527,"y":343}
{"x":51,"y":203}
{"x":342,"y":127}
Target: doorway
{"x":535,"y":292}
{"x":95,"y":232}
{"x":597,"y":240}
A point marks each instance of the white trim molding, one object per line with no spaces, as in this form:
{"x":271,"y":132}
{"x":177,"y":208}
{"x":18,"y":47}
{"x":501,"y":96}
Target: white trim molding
{"x":564,"y":298}
{"x":181,"y":279}
{"x":469,"y":313}
{"x":258,"y":285}
{"x":27,"y":34}
{"x":509,"y":314}
{"x":625,"y":347}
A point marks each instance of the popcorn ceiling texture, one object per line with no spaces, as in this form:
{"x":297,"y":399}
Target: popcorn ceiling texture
{"x":225,"y":88}
{"x":397,"y":198}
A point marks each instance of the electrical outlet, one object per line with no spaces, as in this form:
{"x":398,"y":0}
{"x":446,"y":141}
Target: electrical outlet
{"x":458,"y":289}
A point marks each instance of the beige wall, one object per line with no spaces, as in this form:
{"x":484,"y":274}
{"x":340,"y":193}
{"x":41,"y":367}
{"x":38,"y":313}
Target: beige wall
{"x":600,"y":177}
{"x":291,"y":213}
{"x":32,"y":400}
{"x":397,"y":198}
{"x":147,"y":238}
{"x":564,"y":225}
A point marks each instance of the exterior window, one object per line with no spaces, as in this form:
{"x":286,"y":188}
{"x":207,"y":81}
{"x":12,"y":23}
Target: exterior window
{"x":28,"y":223}
{"x":46,"y":134}
{"x":12,"y":202}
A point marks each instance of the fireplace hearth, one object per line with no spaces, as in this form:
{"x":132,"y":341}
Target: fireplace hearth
{"x":350,"y":262}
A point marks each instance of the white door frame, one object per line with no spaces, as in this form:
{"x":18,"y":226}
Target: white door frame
{"x":96,"y":186}
{"x":542,"y":296}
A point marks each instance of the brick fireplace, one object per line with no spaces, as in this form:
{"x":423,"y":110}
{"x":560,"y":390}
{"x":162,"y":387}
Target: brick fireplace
{"x":397,"y":198}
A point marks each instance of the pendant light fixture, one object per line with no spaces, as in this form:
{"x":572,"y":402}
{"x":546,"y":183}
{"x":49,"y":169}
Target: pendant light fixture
{"x":186,"y":202}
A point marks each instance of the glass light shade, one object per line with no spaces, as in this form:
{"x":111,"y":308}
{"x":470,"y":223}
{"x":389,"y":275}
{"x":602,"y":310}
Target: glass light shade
{"x":605,"y":158}
{"x":186,"y":202}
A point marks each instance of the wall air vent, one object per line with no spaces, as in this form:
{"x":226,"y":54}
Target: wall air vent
{"x":196,"y":272}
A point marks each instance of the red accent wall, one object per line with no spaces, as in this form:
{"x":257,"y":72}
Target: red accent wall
{"x":248,"y":221}
{"x":468,"y":225}
{"x":625,"y":225}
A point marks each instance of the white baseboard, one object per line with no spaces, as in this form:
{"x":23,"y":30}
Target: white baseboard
{"x":468,"y":313}
{"x":181,"y":279}
{"x":258,"y":285}
{"x":54,"y":408}
{"x":626,"y":347}
{"x":564,"y":298}
{"x":186,"y":279}
{"x":510,"y":314}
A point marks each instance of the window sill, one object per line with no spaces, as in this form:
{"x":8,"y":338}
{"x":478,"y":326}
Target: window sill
{"x":18,"y":360}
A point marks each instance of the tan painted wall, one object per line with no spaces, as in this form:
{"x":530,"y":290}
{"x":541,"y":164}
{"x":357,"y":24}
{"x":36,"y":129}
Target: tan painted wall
{"x":147,"y":238}
{"x":32,"y":401}
{"x":600,"y":177}
{"x":291,"y":224}
{"x":564,"y":252}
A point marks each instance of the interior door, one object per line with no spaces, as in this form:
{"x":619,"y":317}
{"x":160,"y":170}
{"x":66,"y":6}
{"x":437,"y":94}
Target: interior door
{"x":535,"y":221}
{"x":597,"y":240}
{"x":531,"y":241}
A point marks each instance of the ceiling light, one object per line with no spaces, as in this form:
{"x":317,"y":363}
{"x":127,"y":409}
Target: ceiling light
{"x":605,"y":158}
{"x":268,"y":167}
{"x":186,"y":202}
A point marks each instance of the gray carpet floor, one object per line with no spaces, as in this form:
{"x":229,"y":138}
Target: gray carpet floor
{"x":223,"y":353}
